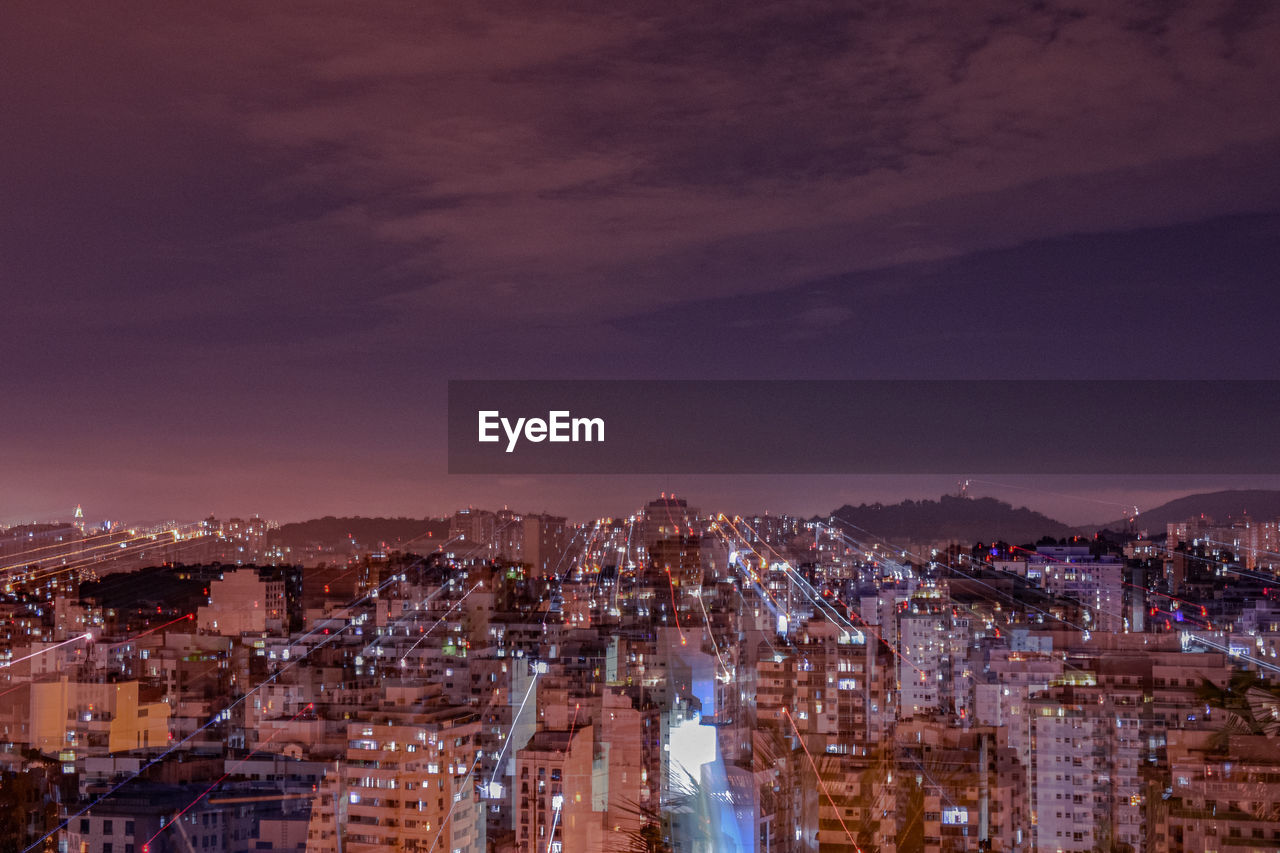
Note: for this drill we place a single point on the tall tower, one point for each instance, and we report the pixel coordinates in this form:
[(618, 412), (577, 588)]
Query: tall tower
[(79, 516)]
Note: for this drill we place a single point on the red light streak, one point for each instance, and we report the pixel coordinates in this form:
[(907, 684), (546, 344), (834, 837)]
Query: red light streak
[(146, 846), (184, 617), (821, 782)]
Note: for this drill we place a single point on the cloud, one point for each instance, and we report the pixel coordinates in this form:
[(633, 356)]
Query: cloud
[(236, 203), (561, 161)]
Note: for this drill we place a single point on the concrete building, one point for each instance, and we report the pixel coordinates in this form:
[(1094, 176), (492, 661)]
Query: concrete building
[(1096, 582), (409, 782), (553, 786), (243, 603)]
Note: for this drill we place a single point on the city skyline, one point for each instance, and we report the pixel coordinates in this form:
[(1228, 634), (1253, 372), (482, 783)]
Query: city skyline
[(672, 681), (800, 426), (1104, 500)]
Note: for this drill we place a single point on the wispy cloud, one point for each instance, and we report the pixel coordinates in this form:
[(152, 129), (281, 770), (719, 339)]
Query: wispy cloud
[(567, 161), (195, 195)]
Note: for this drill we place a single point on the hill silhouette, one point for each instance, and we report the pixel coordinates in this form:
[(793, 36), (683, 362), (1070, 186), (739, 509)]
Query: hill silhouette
[(339, 532), (953, 518), (1223, 507)]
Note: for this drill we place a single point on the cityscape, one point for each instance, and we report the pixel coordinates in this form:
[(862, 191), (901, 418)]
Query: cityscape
[(797, 426), (675, 680)]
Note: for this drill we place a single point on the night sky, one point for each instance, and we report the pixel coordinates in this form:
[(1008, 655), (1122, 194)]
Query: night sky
[(243, 246)]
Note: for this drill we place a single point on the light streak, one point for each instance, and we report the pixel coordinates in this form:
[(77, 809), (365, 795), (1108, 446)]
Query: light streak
[(67, 546), (216, 717), (674, 609), (555, 821), (462, 784), (966, 575), (819, 608), (452, 805), (139, 538), (759, 586), (890, 646), (821, 782), (567, 746), (715, 645), (187, 616), (1257, 549), (497, 766), (1259, 662), (127, 551), (805, 587), (409, 613), (146, 845), (959, 571), (85, 637), (427, 633), (1124, 506), (555, 571)]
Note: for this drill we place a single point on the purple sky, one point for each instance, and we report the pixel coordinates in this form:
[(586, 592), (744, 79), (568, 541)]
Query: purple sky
[(243, 246)]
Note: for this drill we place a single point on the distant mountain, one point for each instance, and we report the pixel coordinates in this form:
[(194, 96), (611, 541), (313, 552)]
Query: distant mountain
[(954, 518), (339, 532), (1259, 504)]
